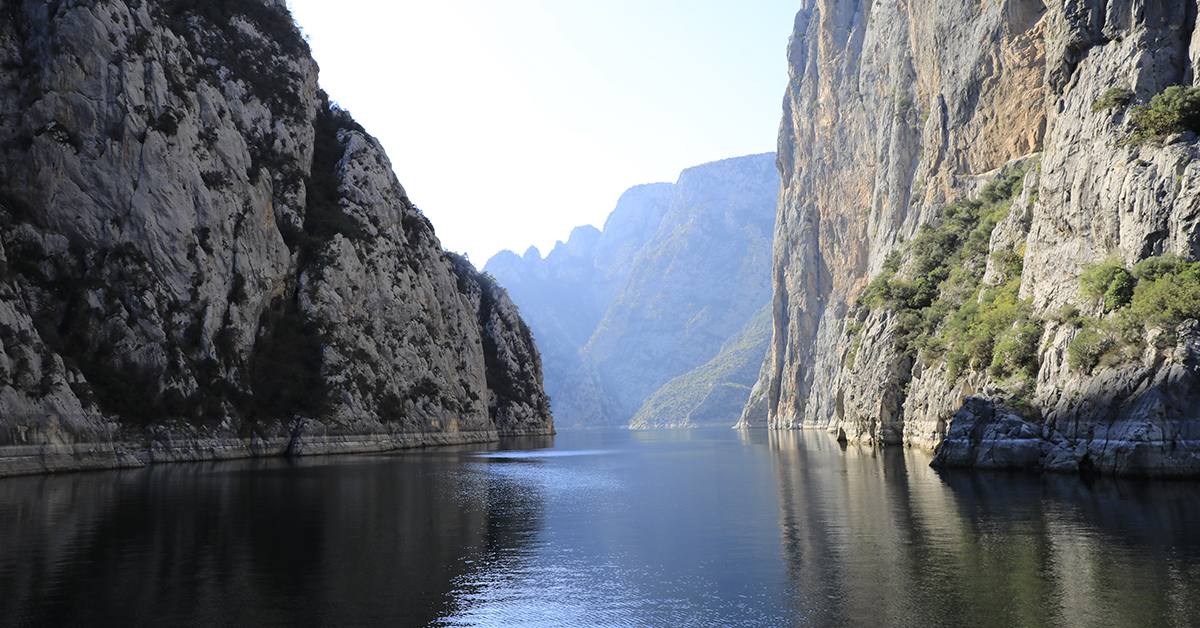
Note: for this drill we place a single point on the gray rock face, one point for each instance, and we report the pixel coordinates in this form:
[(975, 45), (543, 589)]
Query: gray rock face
[(517, 403), (202, 260), (885, 118), (896, 110), (985, 437), (677, 271)]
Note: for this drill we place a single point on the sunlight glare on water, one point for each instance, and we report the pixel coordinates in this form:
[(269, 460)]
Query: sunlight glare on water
[(563, 583)]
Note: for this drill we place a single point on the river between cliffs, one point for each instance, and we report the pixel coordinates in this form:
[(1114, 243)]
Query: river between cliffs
[(659, 528)]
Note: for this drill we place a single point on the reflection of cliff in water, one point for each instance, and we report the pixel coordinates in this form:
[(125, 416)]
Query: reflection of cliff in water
[(876, 537), (258, 542)]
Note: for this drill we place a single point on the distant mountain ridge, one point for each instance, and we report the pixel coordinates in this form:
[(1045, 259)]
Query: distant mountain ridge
[(677, 270), (591, 267)]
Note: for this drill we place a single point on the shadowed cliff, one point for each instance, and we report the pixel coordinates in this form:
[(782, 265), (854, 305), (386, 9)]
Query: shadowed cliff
[(202, 257)]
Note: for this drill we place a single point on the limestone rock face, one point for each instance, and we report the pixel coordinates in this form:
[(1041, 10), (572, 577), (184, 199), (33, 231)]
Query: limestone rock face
[(401, 347), (517, 403), (677, 271), (197, 249), (895, 110), (1098, 197), (985, 437), (890, 107)]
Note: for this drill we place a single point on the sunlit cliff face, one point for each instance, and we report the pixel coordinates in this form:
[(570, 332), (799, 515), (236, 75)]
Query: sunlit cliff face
[(894, 113)]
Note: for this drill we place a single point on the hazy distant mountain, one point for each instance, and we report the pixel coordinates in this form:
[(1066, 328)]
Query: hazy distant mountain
[(678, 269), (564, 296), (716, 390)]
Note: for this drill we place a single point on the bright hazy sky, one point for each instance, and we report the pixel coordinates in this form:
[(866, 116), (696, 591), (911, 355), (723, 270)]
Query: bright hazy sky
[(511, 121)]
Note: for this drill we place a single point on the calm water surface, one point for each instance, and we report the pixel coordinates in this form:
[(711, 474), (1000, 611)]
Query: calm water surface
[(662, 528)]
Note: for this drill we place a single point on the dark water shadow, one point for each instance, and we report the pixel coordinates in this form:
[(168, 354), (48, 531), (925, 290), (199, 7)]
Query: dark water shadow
[(335, 541)]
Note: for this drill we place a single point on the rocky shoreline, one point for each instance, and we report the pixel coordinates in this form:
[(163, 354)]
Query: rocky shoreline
[(164, 447)]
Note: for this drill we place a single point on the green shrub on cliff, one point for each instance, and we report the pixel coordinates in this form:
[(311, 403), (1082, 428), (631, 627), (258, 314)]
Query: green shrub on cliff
[(945, 312), (975, 330), (1119, 292), (1168, 300), (1113, 97), (1108, 282), (1175, 110), (1161, 292), (1086, 348), (285, 367), (1015, 351), (1153, 268)]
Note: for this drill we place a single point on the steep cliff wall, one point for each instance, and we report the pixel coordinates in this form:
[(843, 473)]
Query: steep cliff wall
[(203, 258), (1012, 129)]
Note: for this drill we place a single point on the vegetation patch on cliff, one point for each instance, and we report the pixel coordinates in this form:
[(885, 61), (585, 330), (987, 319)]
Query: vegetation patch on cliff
[(944, 310), (1158, 293), (1113, 98), (324, 216), (729, 374), (251, 59), (1175, 110)]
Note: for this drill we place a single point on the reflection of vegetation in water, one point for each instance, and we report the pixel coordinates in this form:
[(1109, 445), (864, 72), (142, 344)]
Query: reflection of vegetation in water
[(876, 537), (870, 537)]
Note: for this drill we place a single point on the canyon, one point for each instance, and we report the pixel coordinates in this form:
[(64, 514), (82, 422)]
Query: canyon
[(651, 322)]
